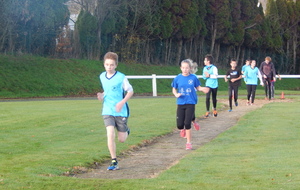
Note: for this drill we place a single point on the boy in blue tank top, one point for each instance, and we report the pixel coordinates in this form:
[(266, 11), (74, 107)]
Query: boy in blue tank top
[(210, 74), (115, 111)]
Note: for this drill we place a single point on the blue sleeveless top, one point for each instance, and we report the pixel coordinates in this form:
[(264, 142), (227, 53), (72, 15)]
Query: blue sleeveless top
[(113, 93)]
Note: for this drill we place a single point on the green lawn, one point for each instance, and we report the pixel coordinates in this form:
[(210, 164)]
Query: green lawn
[(40, 140)]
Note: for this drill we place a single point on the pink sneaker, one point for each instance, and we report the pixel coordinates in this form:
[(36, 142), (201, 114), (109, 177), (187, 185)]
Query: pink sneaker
[(188, 146), (182, 133), (196, 126)]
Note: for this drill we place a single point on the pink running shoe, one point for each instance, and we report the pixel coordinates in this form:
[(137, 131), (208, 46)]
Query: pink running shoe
[(196, 126), (182, 133), (188, 146)]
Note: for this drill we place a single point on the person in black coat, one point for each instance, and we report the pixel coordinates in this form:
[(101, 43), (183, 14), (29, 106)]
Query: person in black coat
[(268, 73)]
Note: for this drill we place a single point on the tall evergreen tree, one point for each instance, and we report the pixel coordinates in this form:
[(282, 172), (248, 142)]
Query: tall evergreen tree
[(86, 27), (294, 28), (218, 21), (31, 26), (253, 18), (272, 18), (284, 32), (179, 21), (189, 27)]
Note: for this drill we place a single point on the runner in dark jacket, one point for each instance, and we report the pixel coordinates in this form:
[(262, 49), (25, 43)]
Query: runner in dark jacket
[(268, 73)]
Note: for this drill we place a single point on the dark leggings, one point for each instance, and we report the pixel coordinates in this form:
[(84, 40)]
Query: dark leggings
[(251, 92), (272, 89), (185, 114), (234, 90), (213, 92), (268, 89)]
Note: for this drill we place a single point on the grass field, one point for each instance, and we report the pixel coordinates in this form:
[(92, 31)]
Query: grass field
[(40, 140)]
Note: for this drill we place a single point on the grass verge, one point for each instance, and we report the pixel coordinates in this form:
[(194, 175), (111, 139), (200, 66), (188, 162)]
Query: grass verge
[(40, 140), (32, 76)]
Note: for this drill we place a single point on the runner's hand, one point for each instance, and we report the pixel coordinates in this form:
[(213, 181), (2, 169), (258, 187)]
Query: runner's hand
[(100, 96)]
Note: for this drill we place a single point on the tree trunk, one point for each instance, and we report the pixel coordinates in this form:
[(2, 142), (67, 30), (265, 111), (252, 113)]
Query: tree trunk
[(217, 53), (195, 48), (238, 53), (185, 50), (191, 50), (294, 65), (242, 58), (166, 55), (169, 51), (213, 38), (179, 51), (147, 52), (288, 55), (98, 47), (201, 47)]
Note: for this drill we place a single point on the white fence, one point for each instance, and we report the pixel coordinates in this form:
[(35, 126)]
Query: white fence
[(154, 77)]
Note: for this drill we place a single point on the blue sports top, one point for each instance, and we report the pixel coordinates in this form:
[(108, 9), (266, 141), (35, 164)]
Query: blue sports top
[(186, 86), (211, 81), (114, 92), (245, 67), (251, 75)]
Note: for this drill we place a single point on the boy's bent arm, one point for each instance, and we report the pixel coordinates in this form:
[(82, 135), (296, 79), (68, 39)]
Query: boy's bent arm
[(100, 96), (122, 102), (128, 88), (128, 96), (236, 79)]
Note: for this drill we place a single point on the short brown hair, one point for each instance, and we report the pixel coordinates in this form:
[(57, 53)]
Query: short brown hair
[(111, 55), (210, 58), (268, 58)]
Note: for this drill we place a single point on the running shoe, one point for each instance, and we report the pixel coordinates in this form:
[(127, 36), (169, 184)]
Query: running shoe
[(236, 103), (188, 146), (206, 114), (230, 110), (215, 113), (196, 126), (248, 103), (113, 165), (128, 131), (182, 133)]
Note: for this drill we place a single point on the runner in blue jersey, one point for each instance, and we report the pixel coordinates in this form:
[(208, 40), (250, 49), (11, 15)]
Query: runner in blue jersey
[(250, 75), (184, 89), (247, 64), (210, 74), (115, 111)]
